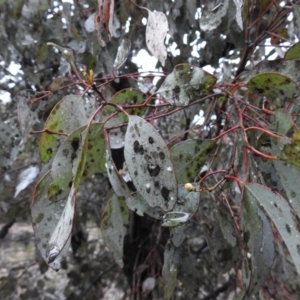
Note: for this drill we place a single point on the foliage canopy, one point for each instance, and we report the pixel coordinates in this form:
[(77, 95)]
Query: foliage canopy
[(200, 154)]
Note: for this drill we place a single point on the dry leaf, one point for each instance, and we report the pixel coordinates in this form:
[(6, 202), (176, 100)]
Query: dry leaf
[(156, 31), (104, 20)]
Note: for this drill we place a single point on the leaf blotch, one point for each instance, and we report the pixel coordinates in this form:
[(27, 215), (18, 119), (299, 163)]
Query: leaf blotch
[(165, 193), (75, 144), (137, 148), (39, 218), (153, 169)]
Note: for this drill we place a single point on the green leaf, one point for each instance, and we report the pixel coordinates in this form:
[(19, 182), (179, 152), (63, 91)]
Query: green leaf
[(293, 52), (45, 217), (283, 121), (114, 219), (65, 117), (291, 152), (281, 215), (189, 157), (258, 237), (185, 84), (81, 154), (288, 68), (124, 97), (149, 164), (42, 53), (274, 85)]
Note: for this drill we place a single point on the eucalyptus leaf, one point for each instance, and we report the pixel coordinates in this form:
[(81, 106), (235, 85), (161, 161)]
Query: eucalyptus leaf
[(65, 117), (136, 203), (45, 216), (128, 96), (84, 148), (189, 157), (293, 52), (170, 269), (274, 85), (258, 237), (186, 205), (225, 255), (149, 164), (114, 218), (185, 84), (281, 215)]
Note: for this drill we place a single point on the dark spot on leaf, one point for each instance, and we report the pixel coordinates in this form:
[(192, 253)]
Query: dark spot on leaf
[(39, 218), (70, 184), (298, 249), (161, 155), (137, 148), (288, 228), (151, 141), (136, 173), (165, 193), (65, 152), (156, 183), (246, 236), (75, 144), (176, 89), (73, 156), (49, 151), (153, 169)]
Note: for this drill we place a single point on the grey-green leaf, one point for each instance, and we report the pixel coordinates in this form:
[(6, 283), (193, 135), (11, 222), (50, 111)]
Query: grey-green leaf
[(189, 157), (114, 218), (149, 164), (185, 207), (281, 215), (138, 204), (258, 237), (45, 216), (65, 117), (185, 84)]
